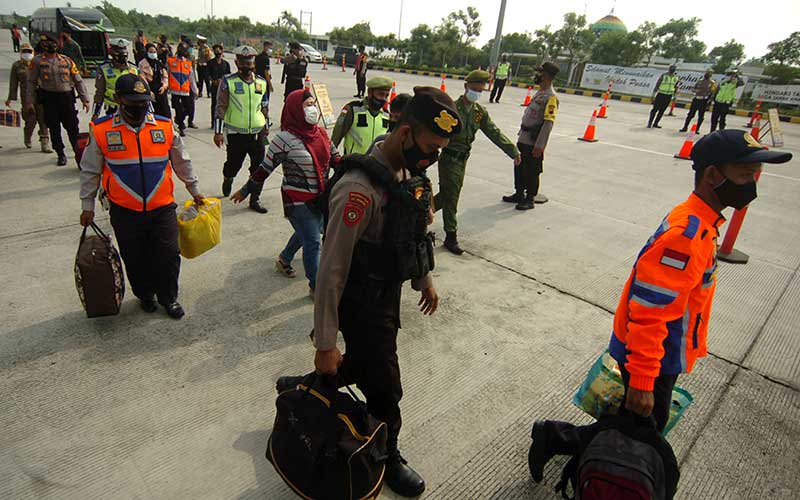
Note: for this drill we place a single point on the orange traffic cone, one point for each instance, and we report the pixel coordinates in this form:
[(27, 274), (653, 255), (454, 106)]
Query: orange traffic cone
[(686, 150), (756, 130), (307, 83), (588, 136), (672, 107), (325, 63), (277, 57), (344, 64), (528, 97), (443, 87), (393, 94), (753, 115)]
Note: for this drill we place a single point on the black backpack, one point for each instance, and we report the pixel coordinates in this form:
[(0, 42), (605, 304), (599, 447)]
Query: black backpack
[(324, 444)]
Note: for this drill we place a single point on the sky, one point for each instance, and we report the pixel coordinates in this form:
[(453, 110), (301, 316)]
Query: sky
[(722, 20)]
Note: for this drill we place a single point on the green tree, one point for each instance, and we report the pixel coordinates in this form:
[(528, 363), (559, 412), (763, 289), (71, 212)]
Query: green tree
[(781, 74), (357, 34), (548, 42), (618, 48), (677, 39), (725, 56), (651, 43), (785, 52), (575, 38), (420, 43), (470, 26)]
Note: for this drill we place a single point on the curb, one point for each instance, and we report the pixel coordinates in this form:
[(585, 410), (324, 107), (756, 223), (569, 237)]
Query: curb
[(585, 93)]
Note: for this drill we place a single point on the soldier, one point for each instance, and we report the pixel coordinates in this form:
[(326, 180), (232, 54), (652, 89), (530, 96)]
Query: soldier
[(295, 66), (71, 49), (537, 123), (107, 75), (377, 239), (164, 49), (361, 121), (53, 80), (361, 71), (241, 115), (453, 162), (19, 80), (263, 69), (204, 55)]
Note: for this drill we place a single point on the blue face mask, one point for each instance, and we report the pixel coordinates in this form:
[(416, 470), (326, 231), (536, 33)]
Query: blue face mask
[(473, 95)]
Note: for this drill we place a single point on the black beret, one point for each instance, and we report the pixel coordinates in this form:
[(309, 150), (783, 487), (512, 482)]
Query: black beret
[(435, 110)]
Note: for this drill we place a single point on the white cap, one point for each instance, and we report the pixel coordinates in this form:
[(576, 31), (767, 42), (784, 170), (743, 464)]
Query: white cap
[(201, 37)]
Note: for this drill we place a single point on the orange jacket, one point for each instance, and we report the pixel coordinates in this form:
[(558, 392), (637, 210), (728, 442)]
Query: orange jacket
[(179, 71), (137, 173), (661, 322)]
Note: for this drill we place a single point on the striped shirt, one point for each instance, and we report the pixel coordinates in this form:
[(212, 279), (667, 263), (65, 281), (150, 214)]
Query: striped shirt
[(300, 179)]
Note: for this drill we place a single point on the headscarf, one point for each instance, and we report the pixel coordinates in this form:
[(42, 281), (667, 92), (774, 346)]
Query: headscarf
[(314, 138)]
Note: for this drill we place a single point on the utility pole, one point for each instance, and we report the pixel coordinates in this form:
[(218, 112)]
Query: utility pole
[(498, 35), (310, 18)]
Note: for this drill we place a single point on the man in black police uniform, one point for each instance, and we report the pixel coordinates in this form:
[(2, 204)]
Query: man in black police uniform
[(378, 210), (295, 65)]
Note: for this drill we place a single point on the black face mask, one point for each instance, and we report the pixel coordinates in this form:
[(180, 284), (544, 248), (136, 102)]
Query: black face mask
[(537, 78), (735, 195), (121, 58), (376, 103), (246, 71), (218, 54), (134, 115), (391, 126), (50, 48), (418, 160)]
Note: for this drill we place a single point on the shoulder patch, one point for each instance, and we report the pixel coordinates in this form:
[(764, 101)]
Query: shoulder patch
[(359, 199), (692, 227), (160, 118), (675, 259), (102, 119)]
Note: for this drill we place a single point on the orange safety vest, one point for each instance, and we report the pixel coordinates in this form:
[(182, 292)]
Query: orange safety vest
[(179, 71), (137, 173), (661, 322)]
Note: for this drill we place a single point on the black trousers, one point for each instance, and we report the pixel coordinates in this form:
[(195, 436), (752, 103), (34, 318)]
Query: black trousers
[(161, 105), (59, 110), (15, 42), (699, 107), (203, 77), (148, 244), (213, 91), (184, 107), (369, 317), (718, 115), (660, 104), (239, 147), (292, 84), (361, 83), (497, 90), (526, 174)]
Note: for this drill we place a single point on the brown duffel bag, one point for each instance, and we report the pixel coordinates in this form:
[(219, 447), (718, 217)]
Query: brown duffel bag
[(99, 277)]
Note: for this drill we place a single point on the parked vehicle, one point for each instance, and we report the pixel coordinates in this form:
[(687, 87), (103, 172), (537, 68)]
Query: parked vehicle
[(349, 54)]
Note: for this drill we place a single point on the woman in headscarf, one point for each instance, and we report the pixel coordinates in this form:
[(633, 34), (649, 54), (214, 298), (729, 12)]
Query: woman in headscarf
[(306, 153), (155, 73)]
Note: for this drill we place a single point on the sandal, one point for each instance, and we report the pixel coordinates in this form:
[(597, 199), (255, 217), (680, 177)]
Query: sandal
[(285, 269)]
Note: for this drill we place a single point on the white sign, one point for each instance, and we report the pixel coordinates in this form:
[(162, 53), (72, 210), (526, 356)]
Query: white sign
[(642, 81), (775, 128), (783, 94)]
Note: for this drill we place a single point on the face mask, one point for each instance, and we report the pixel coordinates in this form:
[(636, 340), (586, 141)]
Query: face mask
[(735, 195), (312, 114), (416, 159), (152, 55), (245, 70), (472, 95), (121, 58), (217, 54), (269, 52), (377, 103), (134, 115), (51, 49), (26, 56), (537, 78)]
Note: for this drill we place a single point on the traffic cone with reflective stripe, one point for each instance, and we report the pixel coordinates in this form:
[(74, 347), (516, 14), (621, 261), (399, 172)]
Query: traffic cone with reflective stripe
[(753, 115), (443, 87), (344, 63), (588, 136), (307, 83), (325, 63), (528, 97), (686, 150), (756, 130), (393, 94), (603, 106)]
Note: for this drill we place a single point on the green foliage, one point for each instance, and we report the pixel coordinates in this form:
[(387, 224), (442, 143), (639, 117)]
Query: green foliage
[(785, 52), (726, 56), (781, 74), (358, 34), (677, 39), (618, 48)]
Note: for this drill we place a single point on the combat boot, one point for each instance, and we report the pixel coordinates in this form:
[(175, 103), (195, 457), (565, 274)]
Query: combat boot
[(451, 243), (62, 159), (46, 146), (227, 184), (514, 198), (256, 206), (538, 455), (401, 478)]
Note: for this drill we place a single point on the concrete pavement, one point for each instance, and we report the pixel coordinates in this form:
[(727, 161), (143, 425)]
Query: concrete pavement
[(139, 406)]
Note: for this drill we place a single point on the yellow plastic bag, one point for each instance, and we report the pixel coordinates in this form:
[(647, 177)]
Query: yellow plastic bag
[(199, 227)]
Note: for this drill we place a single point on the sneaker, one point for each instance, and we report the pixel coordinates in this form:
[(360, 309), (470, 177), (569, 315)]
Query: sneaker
[(46, 147), (656, 126), (682, 130), (28, 143), (192, 125), (256, 206), (182, 132), (62, 159), (175, 310), (285, 269)]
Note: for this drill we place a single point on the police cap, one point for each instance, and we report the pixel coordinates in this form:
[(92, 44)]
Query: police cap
[(47, 36), (244, 52), (119, 44), (733, 146), (477, 76), (549, 68), (201, 37), (133, 88), (380, 83), (25, 47), (435, 110)]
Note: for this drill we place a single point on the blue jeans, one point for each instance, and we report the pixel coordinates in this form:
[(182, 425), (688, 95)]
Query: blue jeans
[(307, 224)]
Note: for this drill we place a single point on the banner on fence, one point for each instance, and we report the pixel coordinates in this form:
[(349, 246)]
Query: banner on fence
[(780, 94)]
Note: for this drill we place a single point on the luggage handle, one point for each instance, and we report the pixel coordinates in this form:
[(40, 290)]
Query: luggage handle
[(97, 230), (316, 377)]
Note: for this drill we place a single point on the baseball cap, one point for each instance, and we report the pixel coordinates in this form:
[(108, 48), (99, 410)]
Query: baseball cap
[(549, 68), (733, 146), (133, 88)]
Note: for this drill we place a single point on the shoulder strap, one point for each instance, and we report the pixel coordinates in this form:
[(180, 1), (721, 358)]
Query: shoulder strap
[(569, 476)]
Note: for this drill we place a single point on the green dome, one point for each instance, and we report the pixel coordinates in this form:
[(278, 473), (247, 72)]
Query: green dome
[(609, 23)]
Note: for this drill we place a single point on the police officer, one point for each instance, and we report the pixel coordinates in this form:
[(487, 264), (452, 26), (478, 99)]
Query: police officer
[(453, 161), (361, 121), (204, 55), (703, 90), (218, 68), (665, 89), (295, 66), (362, 60), (724, 99), (135, 153), (182, 87), (107, 75), (534, 131), (241, 115), (53, 80), (32, 116), (661, 322), (500, 79), (376, 239)]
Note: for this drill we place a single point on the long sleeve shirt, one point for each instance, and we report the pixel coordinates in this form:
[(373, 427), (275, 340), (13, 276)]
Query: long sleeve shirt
[(474, 117), (18, 80), (704, 88), (93, 162), (223, 100), (356, 212), (146, 71), (56, 73), (217, 69), (538, 119), (74, 52)]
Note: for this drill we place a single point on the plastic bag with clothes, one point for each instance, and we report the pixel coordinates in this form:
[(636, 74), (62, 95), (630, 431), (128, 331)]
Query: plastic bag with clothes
[(199, 227)]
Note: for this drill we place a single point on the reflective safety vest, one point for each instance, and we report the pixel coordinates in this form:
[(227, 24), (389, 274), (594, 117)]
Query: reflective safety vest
[(244, 115), (668, 84), (727, 92), (179, 72), (502, 71), (364, 130), (110, 74), (137, 173)]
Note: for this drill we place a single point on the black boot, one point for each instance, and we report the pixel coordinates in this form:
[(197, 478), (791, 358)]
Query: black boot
[(227, 184), (514, 198), (256, 206), (401, 478), (525, 205), (451, 243), (175, 310), (538, 456), (62, 159), (148, 304)]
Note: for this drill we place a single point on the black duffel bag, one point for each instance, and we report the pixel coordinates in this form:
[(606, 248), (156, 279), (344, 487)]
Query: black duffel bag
[(325, 445), (99, 277)]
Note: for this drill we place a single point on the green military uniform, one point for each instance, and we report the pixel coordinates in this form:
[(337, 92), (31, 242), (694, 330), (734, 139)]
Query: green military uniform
[(72, 50), (453, 160), (359, 123)]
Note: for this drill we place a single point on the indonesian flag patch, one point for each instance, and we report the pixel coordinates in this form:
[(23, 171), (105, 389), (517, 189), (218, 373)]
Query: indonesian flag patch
[(673, 258)]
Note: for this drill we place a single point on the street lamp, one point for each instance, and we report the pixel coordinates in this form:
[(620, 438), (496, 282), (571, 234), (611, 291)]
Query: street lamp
[(498, 35)]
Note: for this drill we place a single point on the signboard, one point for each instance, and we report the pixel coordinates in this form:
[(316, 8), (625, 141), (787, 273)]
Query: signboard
[(782, 94), (642, 81), (775, 129), (324, 104)]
